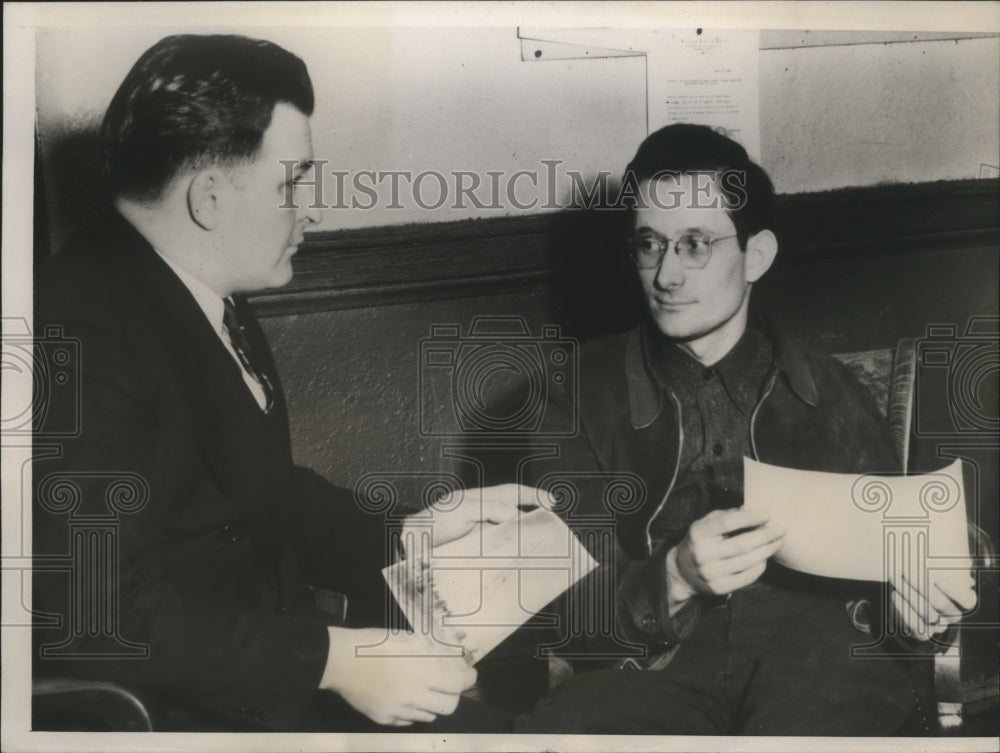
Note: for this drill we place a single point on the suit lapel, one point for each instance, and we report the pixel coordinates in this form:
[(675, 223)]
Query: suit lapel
[(248, 452)]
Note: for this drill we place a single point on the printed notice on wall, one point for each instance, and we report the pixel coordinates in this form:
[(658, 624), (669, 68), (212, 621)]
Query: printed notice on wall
[(709, 77)]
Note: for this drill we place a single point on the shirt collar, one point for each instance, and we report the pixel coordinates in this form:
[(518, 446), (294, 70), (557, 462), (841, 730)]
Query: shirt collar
[(643, 371), (741, 371), (208, 300), (744, 369)]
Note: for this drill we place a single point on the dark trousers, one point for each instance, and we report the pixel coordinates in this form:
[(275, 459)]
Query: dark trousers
[(769, 662)]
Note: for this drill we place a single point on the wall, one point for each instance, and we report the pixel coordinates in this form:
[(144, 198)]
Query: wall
[(353, 380), (857, 115), (420, 98)]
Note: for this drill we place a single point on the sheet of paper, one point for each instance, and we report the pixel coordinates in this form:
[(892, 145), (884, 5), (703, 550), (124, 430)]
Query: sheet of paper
[(476, 591), (706, 76), (863, 527)]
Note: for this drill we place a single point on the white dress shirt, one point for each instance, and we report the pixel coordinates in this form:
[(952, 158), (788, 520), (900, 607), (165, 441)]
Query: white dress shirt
[(214, 309)]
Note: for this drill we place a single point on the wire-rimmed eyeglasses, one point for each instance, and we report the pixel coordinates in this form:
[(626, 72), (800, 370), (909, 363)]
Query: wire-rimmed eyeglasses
[(693, 249)]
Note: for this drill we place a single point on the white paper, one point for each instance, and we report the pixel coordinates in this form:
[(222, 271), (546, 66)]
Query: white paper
[(476, 591), (864, 527), (708, 78)]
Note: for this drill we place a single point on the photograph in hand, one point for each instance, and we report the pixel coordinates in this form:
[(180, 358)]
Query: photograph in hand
[(473, 592)]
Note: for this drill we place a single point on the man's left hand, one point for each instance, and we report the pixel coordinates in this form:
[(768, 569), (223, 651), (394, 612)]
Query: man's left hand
[(949, 594)]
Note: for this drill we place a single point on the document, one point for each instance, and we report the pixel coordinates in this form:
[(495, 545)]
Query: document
[(865, 527), (474, 592), (707, 77)]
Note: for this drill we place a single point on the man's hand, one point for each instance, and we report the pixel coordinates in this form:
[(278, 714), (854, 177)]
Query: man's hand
[(722, 552), (394, 689), (456, 515), (948, 594)]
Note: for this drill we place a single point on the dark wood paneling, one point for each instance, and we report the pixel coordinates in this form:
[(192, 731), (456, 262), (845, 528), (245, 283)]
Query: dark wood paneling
[(399, 264)]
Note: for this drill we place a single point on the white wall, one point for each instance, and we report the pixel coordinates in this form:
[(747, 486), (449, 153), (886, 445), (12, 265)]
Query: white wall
[(872, 113), (406, 98)]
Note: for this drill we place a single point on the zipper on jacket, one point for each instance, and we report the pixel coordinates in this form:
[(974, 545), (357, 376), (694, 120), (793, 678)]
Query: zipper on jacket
[(677, 468), (680, 447), (756, 410)]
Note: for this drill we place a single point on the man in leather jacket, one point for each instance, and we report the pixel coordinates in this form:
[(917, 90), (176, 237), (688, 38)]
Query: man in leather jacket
[(733, 643)]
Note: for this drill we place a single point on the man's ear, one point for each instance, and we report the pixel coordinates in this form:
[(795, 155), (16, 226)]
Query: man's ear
[(762, 248), (203, 199)]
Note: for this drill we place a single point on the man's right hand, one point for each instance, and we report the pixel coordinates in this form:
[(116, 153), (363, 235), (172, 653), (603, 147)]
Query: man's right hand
[(722, 552), (409, 683)]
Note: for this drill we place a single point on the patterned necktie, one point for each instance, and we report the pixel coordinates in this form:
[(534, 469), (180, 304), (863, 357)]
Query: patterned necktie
[(240, 343)]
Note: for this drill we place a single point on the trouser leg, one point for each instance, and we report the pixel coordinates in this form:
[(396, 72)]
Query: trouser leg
[(805, 680), (685, 698)]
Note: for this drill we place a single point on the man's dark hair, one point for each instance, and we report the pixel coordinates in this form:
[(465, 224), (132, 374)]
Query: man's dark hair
[(192, 100), (686, 148)]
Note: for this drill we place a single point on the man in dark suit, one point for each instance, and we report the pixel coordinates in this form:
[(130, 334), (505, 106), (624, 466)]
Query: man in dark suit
[(193, 532)]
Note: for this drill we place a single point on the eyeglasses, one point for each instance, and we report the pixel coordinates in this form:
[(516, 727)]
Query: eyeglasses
[(693, 249)]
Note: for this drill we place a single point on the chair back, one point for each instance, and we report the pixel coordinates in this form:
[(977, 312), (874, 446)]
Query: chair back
[(890, 375)]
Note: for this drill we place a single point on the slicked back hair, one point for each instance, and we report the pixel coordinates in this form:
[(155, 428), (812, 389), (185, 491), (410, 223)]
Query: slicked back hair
[(193, 100)]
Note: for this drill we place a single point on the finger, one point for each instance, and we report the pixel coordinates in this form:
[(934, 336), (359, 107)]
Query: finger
[(948, 597), (958, 587), (398, 717), (911, 622), (923, 621), (964, 599), (742, 562), (504, 501), (736, 581), (453, 676), (518, 495), (926, 616), (951, 605), (499, 504), (722, 522), (436, 704), (716, 556), (739, 545), (414, 714)]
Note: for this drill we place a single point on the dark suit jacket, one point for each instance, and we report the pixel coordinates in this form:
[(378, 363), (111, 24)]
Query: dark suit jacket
[(207, 523)]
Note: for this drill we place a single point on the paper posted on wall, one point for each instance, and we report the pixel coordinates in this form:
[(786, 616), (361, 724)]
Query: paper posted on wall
[(474, 592), (865, 527)]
